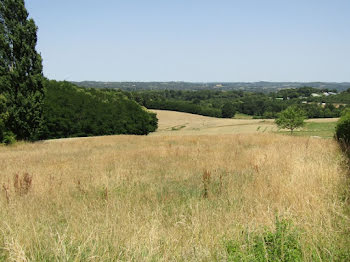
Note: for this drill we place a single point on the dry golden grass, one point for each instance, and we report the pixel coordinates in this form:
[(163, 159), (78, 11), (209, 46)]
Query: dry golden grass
[(177, 123), (165, 198)]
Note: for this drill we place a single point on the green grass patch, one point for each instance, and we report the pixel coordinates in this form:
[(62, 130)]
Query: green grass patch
[(280, 244), (284, 243), (242, 116), (323, 129)]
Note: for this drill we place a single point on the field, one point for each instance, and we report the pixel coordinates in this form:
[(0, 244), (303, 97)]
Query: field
[(190, 192), (177, 123), (317, 127)]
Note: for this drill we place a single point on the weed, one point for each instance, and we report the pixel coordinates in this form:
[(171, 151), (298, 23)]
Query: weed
[(206, 182), (22, 184), (105, 193), (6, 190), (221, 183), (80, 187)]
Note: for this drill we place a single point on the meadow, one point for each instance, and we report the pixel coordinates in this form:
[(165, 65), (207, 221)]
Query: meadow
[(180, 194)]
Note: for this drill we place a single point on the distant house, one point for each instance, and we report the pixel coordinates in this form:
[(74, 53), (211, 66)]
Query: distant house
[(329, 93), (315, 95)]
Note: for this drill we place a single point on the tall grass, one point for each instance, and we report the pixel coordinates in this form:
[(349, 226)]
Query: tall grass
[(183, 198)]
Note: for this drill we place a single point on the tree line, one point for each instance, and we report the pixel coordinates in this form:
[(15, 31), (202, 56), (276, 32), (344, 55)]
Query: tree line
[(218, 103), (71, 111), (262, 86)]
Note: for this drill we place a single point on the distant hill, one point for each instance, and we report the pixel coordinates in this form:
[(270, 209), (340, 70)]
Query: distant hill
[(262, 86)]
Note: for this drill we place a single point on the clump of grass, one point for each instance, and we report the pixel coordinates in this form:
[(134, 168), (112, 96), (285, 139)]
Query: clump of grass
[(280, 244)]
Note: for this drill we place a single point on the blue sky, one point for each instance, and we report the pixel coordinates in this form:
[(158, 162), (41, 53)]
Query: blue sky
[(194, 40)]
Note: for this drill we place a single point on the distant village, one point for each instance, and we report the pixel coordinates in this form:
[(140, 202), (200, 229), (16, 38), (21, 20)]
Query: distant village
[(323, 94)]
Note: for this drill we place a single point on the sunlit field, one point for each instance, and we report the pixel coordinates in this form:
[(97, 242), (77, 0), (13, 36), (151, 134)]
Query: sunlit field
[(174, 198), (177, 123)]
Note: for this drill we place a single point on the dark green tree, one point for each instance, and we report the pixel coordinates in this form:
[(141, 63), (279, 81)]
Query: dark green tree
[(20, 71), (228, 110), (291, 118)]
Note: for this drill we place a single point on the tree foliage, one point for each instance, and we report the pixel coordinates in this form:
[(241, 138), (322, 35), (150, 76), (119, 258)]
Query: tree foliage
[(258, 105), (20, 71), (291, 118), (228, 110), (71, 111)]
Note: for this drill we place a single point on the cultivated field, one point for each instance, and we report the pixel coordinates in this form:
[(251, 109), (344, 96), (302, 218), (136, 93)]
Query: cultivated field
[(174, 198), (177, 123)]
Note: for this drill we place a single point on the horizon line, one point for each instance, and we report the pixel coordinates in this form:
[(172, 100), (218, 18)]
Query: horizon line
[(203, 82)]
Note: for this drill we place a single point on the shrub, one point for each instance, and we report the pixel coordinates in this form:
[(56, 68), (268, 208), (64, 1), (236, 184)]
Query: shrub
[(9, 138), (342, 130)]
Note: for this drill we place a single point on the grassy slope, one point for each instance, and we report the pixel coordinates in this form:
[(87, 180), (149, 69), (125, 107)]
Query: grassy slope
[(142, 198)]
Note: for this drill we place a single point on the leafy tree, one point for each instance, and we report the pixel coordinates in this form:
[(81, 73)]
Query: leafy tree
[(20, 71), (291, 118), (228, 110)]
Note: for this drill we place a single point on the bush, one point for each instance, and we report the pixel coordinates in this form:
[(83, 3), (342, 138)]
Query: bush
[(9, 138), (342, 130)]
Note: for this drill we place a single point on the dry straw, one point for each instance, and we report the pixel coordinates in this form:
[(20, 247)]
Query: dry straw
[(168, 198)]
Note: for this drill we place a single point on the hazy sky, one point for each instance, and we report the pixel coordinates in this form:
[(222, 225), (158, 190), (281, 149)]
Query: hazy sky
[(194, 40)]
